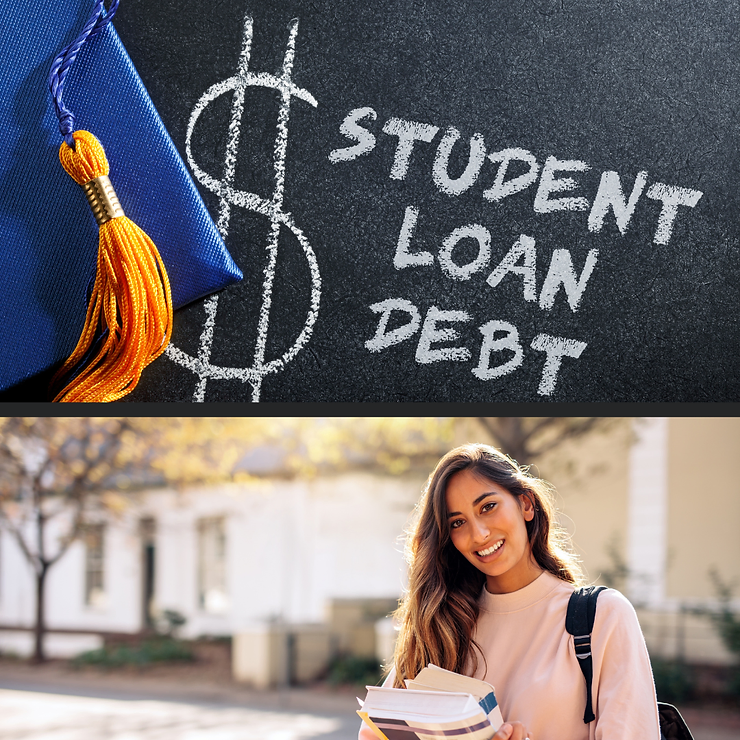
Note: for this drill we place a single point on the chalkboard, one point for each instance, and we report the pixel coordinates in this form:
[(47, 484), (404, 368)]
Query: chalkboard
[(455, 201)]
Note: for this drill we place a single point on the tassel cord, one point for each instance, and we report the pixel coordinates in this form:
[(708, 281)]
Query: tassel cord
[(139, 319), (97, 22)]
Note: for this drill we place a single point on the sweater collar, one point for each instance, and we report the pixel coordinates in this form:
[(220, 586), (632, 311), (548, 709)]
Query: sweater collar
[(540, 588)]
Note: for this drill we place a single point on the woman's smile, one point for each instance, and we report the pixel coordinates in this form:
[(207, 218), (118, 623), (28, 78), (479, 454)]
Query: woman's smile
[(486, 554)]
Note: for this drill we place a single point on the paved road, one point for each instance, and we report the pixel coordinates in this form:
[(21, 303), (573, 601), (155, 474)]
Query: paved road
[(40, 715), (715, 733)]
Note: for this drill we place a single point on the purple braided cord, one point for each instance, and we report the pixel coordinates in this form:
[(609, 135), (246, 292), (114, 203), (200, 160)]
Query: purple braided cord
[(97, 22)]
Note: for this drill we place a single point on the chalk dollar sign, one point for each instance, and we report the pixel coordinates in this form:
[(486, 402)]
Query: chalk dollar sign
[(272, 209)]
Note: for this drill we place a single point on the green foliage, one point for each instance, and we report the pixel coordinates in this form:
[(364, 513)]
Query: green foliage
[(726, 622), (174, 618), (353, 670), (159, 650), (733, 685), (170, 622), (215, 639), (674, 680)]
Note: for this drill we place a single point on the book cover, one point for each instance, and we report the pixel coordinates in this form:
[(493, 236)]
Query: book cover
[(400, 714), (434, 678)]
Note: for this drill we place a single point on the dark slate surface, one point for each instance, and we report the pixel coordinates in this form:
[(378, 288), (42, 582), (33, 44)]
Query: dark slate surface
[(627, 87)]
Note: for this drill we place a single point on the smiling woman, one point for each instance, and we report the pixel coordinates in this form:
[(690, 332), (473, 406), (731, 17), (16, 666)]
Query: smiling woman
[(489, 584)]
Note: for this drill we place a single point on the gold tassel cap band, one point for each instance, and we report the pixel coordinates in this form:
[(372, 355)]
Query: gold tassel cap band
[(102, 199)]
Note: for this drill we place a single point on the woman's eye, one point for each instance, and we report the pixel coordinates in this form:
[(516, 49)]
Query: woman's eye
[(489, 506), (457, 523)]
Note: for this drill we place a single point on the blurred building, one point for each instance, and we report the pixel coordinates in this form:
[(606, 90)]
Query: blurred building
[(652, 505), (228, 558)]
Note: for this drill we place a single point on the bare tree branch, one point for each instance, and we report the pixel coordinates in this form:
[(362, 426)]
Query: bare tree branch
[(73, 534), (528, 438), (18, 535)]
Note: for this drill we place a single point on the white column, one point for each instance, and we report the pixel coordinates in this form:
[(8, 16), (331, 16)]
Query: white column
[(648, 512)]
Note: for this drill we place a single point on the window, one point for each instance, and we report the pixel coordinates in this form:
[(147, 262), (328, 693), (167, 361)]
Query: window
[(95, 565), (212, 595), (148, 534)]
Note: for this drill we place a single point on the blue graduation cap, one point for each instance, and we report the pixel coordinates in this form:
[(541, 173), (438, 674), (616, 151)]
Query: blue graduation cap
[(49, 234)]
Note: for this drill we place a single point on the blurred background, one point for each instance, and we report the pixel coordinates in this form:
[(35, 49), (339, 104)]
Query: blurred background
[(252, 564)]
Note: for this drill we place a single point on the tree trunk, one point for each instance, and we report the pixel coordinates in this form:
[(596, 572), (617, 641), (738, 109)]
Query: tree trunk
[(509, 436), (40, 627)]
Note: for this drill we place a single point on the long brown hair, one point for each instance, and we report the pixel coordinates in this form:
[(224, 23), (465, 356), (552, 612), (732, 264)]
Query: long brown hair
[(440, 609)]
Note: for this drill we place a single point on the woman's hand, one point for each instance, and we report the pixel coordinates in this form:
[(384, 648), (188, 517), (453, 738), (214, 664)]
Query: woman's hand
[(512, 731)]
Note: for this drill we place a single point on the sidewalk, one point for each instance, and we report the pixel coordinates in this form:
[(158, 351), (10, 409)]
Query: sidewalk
[(31, 715), (55, 702)]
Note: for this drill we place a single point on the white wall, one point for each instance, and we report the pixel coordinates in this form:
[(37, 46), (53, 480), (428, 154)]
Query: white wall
[(65, 590), (65, 582), (16, 586), (291, 546)]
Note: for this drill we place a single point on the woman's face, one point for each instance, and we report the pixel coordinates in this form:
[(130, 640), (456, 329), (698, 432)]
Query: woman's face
[(488, 527)]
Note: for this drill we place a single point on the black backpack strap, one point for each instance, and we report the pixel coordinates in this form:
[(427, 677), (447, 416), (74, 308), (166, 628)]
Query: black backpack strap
[(672, 724), (579, 622)]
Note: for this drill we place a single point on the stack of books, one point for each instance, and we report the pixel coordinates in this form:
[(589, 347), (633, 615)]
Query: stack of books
[(435, 705)]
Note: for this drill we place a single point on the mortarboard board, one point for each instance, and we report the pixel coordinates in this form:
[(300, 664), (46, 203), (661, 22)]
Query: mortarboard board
[(50, 238)]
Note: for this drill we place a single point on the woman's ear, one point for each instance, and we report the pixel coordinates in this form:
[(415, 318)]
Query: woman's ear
[(527, 507)]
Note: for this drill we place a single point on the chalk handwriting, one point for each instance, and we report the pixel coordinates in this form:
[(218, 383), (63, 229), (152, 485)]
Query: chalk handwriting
[(608, 197), (499, 355), (557, 189), (272, 209)]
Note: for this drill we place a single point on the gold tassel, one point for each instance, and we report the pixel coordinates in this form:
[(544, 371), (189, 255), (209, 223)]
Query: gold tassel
[(130, 299)]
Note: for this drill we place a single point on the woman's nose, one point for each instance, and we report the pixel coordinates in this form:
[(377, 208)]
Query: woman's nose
[(480, 531)]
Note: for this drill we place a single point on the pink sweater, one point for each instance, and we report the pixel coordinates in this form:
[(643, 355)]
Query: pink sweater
[(532, 665)]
